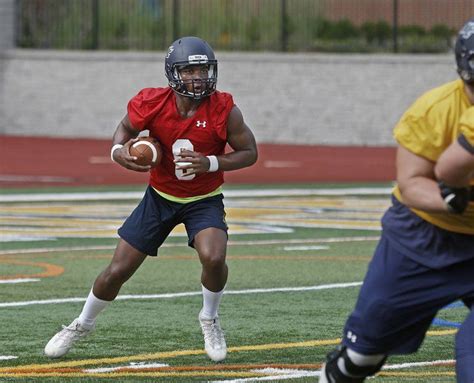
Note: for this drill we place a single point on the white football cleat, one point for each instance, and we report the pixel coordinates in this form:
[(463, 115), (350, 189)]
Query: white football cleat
[(61, 343), (214, 341)]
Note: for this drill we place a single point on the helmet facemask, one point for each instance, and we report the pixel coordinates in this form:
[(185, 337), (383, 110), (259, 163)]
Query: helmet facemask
[(464, 51), (467, 70), (196, 88)]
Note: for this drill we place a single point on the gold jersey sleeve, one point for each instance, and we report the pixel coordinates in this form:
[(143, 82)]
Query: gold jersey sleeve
[(426, 129), (431, 123)]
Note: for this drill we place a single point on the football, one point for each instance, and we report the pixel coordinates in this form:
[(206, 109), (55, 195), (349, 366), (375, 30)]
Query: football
[(147, 150)]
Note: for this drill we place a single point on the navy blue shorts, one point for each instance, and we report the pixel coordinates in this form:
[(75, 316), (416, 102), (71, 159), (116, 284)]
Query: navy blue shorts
[(400, 295), (155, 217)]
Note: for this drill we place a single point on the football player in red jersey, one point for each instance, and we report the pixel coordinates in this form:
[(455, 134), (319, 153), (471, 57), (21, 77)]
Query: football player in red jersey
[(193, 123)]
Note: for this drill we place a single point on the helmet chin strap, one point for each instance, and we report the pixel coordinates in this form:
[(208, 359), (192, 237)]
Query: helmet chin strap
[(186, 93)]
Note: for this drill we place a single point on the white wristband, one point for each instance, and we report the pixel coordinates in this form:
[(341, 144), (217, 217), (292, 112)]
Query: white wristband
[(114, 148), (213, 164)]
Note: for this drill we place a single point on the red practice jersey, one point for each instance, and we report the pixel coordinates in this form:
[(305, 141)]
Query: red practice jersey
[(155, 109)]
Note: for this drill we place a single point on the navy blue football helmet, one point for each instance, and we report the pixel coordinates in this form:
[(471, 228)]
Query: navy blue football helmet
[(464, 51), (188, 51)]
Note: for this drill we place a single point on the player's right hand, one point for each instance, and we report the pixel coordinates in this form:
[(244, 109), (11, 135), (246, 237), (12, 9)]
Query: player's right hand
[(122, 156), (456, 199)]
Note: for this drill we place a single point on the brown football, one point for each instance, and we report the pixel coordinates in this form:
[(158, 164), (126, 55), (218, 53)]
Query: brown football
[(147, 150)]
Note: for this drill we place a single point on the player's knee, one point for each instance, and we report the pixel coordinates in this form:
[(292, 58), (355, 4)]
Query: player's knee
[(212, 259), (116, 274), (347, 366)]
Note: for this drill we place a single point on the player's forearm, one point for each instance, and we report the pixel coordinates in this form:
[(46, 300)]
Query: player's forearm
[(423, 194), (238, 159), (455, 166), (458, 177), (123, 133)]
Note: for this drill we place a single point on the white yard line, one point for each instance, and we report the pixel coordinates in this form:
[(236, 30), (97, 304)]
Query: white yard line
[(290, 374), (231, 243), (131, 365), (8, 357), (417, 364), (186, 294), (20, 280), (304, 248), (286, 374)]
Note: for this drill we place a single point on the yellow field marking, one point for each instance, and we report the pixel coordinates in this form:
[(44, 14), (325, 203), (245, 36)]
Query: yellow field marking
[(441, 332), (102, 230), (60, 369), (50, 270), (298, 366), (280, 346), (228, 374), (169, 369), (174, 354), (94, 221), (114, 360), (165, 355), (209, 373)]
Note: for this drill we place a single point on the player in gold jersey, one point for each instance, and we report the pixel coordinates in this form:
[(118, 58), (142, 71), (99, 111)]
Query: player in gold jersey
[(424, 260), (455, 167)]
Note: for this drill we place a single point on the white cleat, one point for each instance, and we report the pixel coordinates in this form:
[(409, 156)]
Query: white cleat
[(61, 343), (214, 340)]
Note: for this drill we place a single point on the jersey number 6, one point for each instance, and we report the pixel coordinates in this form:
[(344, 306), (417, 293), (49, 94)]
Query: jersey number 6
[(177, 147)]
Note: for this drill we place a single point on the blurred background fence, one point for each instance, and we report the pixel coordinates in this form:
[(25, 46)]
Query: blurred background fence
[(274, 25)]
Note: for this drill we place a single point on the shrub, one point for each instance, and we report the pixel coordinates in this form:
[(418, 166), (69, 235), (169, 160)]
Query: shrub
[(378, 32)]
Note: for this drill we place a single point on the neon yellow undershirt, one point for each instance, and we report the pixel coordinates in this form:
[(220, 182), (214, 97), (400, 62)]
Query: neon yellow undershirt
[(172, 198)]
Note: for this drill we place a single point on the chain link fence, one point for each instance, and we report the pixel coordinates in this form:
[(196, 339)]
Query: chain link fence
[(274, 25)]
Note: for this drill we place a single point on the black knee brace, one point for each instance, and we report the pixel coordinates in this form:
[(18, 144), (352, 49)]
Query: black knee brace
[(358, 373)]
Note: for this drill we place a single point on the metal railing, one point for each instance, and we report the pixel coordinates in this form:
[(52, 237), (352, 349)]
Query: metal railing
[(276, 25)]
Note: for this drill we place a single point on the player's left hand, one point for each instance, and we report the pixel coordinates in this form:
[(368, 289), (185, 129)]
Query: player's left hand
[(192, 162), (455, 198)]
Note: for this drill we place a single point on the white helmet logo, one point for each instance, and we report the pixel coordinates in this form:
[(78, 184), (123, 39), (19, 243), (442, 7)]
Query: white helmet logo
[(197, 59), (170, 50), (468, 30)]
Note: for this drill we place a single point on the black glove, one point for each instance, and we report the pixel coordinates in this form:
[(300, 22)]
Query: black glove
[(456, 199)]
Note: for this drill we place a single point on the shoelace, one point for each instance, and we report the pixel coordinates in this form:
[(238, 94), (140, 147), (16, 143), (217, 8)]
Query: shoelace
[(71, 332), (213, 333)]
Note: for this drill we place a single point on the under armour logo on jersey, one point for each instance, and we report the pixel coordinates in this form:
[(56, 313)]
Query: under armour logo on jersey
[(201, 123)]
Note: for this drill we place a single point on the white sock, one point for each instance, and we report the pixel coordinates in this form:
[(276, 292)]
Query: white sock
[(91, 310), (364, 360), (359, 360), (210, 303)]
